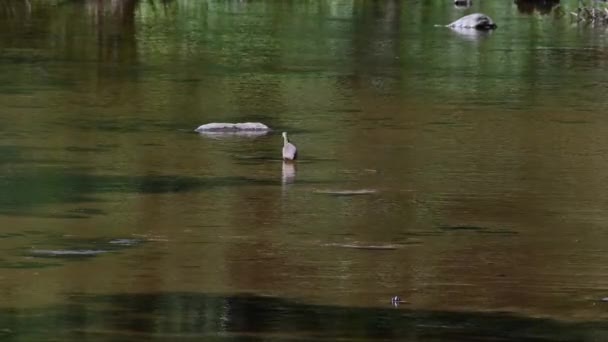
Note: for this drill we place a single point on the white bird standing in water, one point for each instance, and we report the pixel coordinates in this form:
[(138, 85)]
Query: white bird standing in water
[(289, 150)]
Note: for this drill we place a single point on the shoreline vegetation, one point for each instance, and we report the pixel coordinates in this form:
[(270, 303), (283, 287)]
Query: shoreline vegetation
[(581, 11)]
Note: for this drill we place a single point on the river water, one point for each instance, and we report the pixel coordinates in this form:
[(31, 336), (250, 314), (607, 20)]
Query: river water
[(462, 172)]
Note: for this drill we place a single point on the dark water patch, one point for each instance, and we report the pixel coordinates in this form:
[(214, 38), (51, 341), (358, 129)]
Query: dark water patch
[(7, 89), (21, 155), (181, 316), (464, 228), (571, 122), (10, 154), (307, 159), (420, 233), (88, 211), (36, 232), (339, 233), (27, 106), (55, 215), (22, 57), (112, 125), (109, 126), (499, 232), (187, 80), (171, 126), (10, 235), (107, 146), (363, 246), (14, 154), (27, 265), (347, 110), (295, 70), (443, 123), (86, 149), (479, 230), (408, 241), (257, 159), (21, 192)]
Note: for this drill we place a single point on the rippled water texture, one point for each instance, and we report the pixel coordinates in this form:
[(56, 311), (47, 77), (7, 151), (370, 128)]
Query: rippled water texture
[(463, 172)]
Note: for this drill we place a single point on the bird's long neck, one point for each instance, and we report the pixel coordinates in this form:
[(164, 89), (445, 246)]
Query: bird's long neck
[(285, 140)]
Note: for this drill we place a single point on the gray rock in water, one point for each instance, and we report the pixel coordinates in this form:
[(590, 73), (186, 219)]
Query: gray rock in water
[(477, 21), (347, 192), (68, 252), (232, 127)]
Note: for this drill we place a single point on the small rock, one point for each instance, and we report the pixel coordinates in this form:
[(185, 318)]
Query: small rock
[(228, 127), (347, 192)]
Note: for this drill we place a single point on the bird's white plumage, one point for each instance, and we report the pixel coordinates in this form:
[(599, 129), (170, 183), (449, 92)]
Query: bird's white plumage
[(289, 150)]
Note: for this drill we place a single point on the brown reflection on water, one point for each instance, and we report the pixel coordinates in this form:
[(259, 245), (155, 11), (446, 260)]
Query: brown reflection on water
[(429, 169)]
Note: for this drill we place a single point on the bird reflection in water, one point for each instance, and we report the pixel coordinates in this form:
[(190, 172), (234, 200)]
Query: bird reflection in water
[(290, 153), (289, 172)]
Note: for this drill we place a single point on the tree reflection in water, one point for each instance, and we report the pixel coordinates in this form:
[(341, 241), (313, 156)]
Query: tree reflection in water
[(192, 315)]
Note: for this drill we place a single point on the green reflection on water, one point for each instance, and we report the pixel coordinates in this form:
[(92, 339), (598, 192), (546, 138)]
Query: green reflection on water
[(21, 193), (186, 316), (486, 151)]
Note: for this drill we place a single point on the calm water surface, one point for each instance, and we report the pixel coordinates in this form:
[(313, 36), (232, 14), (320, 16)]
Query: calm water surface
[(464, 173)]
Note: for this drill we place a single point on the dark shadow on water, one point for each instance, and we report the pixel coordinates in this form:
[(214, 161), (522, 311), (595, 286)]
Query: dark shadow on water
[(477, 229), (194, 316), (111, 125), (9, 154), (572, 122), (541, 6), (87, 212), (27, 265), (13, 154), (21, 192), (469, 228), (10, 235), (471, 34), (80, 149)]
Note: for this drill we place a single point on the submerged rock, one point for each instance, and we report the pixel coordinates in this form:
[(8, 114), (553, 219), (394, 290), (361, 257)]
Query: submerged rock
[(387, 247), (68, 252), (347, 192)]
